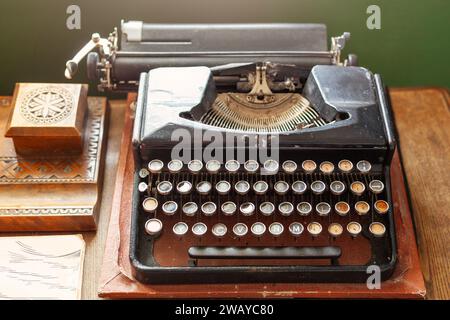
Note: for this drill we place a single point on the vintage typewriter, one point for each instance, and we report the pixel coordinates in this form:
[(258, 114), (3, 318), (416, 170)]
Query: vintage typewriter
[(302, 192)]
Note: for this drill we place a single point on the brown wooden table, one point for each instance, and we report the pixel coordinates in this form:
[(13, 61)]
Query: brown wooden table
[(423, 121)]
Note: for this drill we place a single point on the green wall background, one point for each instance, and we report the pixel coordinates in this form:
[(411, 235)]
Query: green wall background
[(411, 49)]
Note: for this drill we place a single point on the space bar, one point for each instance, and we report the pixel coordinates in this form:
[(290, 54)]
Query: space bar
[(325, 252)]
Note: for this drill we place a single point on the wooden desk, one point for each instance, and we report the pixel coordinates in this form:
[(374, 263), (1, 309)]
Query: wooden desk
[(422, 117)]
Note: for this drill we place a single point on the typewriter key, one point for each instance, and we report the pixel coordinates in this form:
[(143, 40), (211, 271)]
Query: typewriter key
[(199, 229), (326, 167), (318, 187), (150, 204), (175, 166), (164, 187), (266, 208), (354, 228), (213, 166), (251, 166), (223, 187), (357, 188), (247, 208), (228, 208), (260, 187), (281, 187), (323, 209), (190, 209), (219, 230), (296, 229), (342, 208), (180, 228), (170, 207), (285, 208), (195, 166), (381, 206), (258, 229), (314, 228), (203, 187), (242, 187), (337, 187), (271, 166), (155, 166), (142, 187), (143, 173), (289, 166), (345, 166), (364, 166), (376, 186), (362, 207), (304, 208), (240, 229), (335, 229), (209, 208), (153, 227), (377, 229), (184, 187), (276, 229), (309, 166), (232, 166), (299, 187)]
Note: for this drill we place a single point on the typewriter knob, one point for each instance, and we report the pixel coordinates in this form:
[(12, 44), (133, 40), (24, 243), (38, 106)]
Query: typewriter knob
[(314, 228), (281, 187), (247, 209), (296, 229), (180, 228), (155, 166), (304, 208), (240, 229), (190, 209), (228, 208), (299, 187), (276, 229), (258, 229), (153, 227), (260, 187), (376, 186), (267, 208), (199, 229), (209, 208), (170, 207), (232, 166), (142, 187), (342, 208), (354, 228), (285, 208), (364, 166), (150, 204), (219, 230), (381, 206), (377, 229), (326, 167), (335, 229), (175, 166), (362, 208), (345, 166)]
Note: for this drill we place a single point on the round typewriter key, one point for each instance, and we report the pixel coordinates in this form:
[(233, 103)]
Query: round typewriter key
[(142, 187), (318, 187), (164, 187), (209, 208), (342, 208), (150, 204), (175, 166), (281, 187), (285, 208), (309, 166), (251, 166), (364, 166), (299, 187), (199, 229), (381, 206), (184, 187), (260, 187), (195, 166), (357, 188), (240, 229), (258, 229), (271, 166), (223, 187), (337, 187), (219, 230), (323, 208), (232, 165), (267, 208), (296, 229), (212, 166), (276, 229), (170, 207), (155, 166), (335, 229), (190, 209), (289, 166), (242, 187), (203, 187), (143, 173), (377, 229), (345, 166), (304, 208), (376, 186), (314, 228), (228, 208), (180, 228), (326, 167), (354, 228), (247, 208), (153, 227), (362, 207)]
